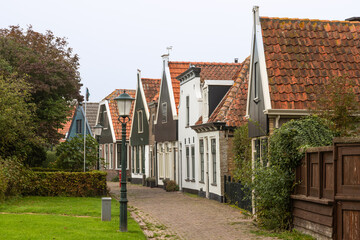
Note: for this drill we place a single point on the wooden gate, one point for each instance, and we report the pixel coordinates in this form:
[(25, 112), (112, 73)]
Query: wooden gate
[(326, 203)]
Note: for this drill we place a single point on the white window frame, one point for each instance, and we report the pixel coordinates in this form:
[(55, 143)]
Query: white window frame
[(164, 113)]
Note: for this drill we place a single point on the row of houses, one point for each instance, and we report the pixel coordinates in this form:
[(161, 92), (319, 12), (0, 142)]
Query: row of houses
[(182, 124)]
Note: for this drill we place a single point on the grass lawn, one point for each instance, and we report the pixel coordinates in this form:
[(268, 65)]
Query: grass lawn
[(62, 218)]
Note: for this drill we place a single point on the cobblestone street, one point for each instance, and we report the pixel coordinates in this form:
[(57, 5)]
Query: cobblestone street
[(175, 215)]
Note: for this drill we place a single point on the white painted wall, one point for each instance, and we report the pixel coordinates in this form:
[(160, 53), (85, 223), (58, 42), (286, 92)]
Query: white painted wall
[(187, 136)]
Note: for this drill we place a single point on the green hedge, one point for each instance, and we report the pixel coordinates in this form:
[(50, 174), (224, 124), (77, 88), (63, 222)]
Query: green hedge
[(74, 184)]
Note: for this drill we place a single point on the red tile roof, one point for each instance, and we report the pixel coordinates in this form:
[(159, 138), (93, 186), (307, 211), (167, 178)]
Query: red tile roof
[(232, 108), (151, 88), (209, 71), (66, 126), (302, 54), (115, 115)]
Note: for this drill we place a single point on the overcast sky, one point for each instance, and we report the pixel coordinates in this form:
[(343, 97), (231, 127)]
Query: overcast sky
[(114, 38)]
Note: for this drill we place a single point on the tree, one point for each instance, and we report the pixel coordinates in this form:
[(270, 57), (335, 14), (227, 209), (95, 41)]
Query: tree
[(71, 153), (50, 67), (339, 104), (17, 127)]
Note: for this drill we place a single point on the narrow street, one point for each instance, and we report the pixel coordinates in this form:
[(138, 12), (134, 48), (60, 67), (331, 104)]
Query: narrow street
[(175, 215)]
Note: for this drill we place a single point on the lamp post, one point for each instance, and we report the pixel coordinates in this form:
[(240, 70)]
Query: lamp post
[(123, 102), (98, 129)]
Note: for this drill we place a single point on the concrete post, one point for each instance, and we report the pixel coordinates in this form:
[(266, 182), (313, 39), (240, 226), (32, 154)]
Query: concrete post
[(106, 209)]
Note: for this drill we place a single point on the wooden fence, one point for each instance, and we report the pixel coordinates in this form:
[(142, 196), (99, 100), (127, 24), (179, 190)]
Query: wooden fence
[(235, 193), (326, 203)]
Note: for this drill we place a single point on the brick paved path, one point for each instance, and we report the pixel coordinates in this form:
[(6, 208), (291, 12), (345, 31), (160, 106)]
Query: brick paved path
[(181, 216)]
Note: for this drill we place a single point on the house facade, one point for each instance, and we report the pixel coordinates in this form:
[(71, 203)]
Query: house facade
[(202, 88), (110, 139), (165, 126), (290, 60), (140, 131)]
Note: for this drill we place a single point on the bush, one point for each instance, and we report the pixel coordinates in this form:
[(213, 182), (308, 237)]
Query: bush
[(242, 155), (72, 184), (14, 177), (273, 184), (71, 153), (171, 186)]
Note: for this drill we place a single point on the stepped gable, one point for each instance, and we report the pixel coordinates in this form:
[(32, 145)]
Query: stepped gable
[(302, 54)]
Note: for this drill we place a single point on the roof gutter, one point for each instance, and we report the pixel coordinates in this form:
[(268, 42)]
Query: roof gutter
[(287, 112)]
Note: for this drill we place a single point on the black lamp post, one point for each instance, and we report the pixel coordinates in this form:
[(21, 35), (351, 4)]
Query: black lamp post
[(124, 102), (97, 130)]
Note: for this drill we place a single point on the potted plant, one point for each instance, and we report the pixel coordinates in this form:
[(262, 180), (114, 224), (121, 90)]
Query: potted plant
[(151, 182), (165, 181)]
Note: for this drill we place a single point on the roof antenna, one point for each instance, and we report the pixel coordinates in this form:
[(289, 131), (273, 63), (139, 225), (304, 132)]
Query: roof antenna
[(169, 49)]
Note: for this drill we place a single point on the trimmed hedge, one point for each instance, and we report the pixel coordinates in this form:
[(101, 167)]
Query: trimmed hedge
[(71, 184)]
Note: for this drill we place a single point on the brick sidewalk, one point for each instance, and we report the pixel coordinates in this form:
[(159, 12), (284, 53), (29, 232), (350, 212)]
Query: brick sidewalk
[(174, 215)]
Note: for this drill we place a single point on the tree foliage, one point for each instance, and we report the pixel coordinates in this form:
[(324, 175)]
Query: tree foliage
[(17, 127), (339, 104), (274, 183), (50, 67), (242, 154), (70, 154)]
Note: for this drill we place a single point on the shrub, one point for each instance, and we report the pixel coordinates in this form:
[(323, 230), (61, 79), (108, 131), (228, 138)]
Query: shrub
[(273, 184), (14, 177), (171, 186), (71, 153), (72, 184), (242, 155)]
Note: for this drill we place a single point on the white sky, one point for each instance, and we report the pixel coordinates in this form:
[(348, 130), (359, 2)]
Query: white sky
[(114, 38)]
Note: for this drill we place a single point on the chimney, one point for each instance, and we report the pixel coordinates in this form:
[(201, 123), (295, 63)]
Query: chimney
[(353, 19), (236, 60)]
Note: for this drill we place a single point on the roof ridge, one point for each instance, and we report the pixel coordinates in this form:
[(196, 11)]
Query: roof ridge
[(307, 19), (207, 63)]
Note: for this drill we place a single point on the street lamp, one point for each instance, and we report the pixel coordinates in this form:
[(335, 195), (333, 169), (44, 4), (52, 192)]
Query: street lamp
[(97, 130), (123, 102)]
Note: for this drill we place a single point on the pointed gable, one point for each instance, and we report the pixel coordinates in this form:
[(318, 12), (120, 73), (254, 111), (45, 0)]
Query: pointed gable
[(302, 54)]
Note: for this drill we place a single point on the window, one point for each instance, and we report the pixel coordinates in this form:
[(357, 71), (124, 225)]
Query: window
[(106, 156), (193, 161), (187, 111), (78, 126), (132, 159), (143, 158), (118, 159), (153, 124), (260, 151), (164, 112), (161, 161), (213, 156), (111, 155), (256, 82), (104, 119), (202, 160), (187, 163), (137, 159), (140, 121)]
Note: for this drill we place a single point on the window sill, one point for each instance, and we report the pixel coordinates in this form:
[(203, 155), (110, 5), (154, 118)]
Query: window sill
[(214, 184), (193, 180), (202, 182), (187, 180)]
